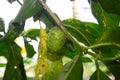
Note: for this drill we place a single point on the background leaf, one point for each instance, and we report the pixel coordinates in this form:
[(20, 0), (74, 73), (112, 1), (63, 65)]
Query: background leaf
[(29, 8), (70, 70), (29, 48), (113, 66), (99, 75)]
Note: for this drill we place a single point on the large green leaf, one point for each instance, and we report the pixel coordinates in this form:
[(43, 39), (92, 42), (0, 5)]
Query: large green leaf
[(112, 7), (29, 48), (84, 32), (114, 67), (99, 75), (29, 8), (106, 20), (73, 70), (14, 68)]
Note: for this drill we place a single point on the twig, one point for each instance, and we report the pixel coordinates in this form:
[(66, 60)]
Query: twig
[(19, 2), (103, 44)]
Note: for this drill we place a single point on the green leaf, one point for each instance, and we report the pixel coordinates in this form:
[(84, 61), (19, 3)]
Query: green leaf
[(14, 68), (15, 29), (45, 17), (70, 70), (112, 7), (84, 32), (92, 31), (106, 20), (32, 33), (29, 8), (4, 49), (114, 67), (2, 25), (99, 75), (29, 48)]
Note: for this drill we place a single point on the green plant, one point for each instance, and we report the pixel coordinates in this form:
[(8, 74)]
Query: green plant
[(102, 39)]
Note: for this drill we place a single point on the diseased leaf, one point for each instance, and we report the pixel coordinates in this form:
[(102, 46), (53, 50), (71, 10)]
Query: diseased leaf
[(106, 20), (32, 33), (92, 31), (29, 49), (14, 68), (29, 8), (73, 70), (84, 32), (111, 52), (110, 36), (99, 75)]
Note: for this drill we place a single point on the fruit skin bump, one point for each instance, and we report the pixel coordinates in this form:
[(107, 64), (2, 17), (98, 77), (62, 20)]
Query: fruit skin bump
[(55, 39)]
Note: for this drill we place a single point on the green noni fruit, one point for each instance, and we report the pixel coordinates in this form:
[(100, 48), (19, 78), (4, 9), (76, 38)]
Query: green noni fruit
[(55, 39)]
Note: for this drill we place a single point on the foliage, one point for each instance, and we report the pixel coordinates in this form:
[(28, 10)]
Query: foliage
[(81, 37)]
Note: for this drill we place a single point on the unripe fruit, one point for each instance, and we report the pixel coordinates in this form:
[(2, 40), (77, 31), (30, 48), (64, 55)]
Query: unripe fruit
[(55, 39)]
